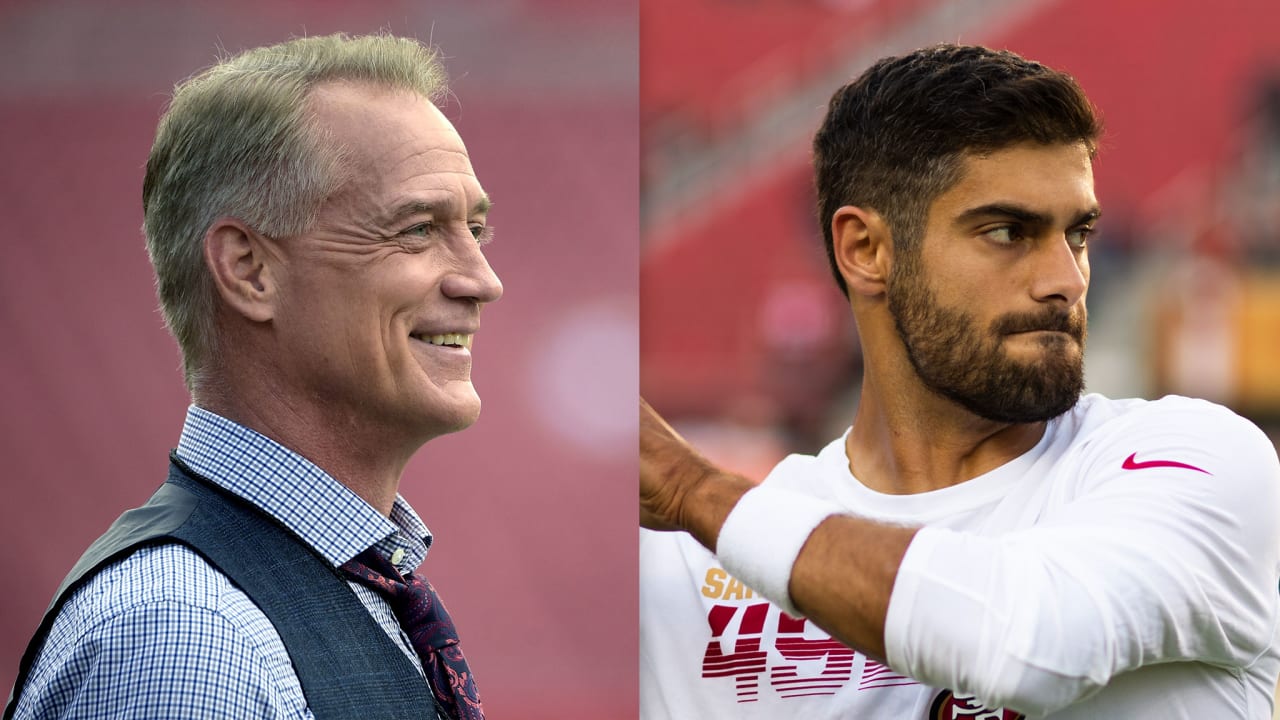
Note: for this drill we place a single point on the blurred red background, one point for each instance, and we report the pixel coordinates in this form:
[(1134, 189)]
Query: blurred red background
[(533, 508)]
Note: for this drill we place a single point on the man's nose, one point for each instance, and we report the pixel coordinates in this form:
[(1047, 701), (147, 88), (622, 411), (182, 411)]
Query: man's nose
[(473, 277), (1061, 273)]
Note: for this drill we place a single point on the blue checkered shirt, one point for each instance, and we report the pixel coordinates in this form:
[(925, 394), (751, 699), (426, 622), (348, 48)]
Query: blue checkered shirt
[(162, 634)]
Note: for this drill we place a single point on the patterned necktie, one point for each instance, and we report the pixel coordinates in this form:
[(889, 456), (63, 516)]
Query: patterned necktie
[(429, 627)]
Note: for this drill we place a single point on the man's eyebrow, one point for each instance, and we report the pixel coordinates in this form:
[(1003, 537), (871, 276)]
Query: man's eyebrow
[(1023, 214), (1088, 216), (419, 207)]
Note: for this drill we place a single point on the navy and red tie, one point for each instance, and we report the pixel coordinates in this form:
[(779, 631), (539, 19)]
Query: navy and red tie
[(429, 627)]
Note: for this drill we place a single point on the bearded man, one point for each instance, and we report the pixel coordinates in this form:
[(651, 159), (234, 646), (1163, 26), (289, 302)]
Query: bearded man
[(983, 541)]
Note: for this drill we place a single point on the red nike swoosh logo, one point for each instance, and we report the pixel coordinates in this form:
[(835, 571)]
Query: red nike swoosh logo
[(1131, 464)]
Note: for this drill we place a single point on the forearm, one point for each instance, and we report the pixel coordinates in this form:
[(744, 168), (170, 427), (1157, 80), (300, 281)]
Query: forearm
[(958, 621), (843, 570), (844, 575), (708, 503), (961, 602)]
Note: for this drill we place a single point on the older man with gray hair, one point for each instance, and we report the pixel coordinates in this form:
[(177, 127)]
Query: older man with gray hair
[(316, 228)]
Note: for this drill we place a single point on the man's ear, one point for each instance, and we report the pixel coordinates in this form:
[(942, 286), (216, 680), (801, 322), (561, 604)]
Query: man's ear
[(243, 264), (863, 249)]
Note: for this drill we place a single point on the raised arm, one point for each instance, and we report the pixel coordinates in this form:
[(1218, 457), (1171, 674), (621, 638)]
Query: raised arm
[(841, 579)]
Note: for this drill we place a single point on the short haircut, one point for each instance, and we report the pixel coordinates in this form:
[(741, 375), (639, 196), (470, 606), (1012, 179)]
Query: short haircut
[(238, 140), (893, 140)]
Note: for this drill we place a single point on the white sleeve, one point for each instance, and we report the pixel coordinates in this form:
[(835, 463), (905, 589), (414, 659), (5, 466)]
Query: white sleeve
[(763, 535), (1145, 565)]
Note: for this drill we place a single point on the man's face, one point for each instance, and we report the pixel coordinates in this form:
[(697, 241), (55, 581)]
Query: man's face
[(380, 299), (991, 308)]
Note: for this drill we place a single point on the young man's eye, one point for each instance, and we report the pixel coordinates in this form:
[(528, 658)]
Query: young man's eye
[(1079, 237), (1005, 234)]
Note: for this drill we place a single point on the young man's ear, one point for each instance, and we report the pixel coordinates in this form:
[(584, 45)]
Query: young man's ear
[(862, 248), (241, 263)]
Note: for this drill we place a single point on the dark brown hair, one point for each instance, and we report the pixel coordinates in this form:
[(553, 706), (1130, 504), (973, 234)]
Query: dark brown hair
[(893, 139)]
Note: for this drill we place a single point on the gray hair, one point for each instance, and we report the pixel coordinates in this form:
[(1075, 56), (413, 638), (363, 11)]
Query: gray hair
[(238, 141)]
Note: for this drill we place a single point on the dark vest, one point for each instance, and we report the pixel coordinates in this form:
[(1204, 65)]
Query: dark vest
[(347, 665)]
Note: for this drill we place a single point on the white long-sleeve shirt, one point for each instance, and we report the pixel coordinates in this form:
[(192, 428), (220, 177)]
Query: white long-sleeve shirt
[(1125, 567)]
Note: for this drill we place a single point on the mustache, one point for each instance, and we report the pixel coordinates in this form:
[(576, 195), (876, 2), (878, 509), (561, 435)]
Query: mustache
[(1064, 321)]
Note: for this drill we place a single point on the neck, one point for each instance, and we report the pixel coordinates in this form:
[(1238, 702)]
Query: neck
[(908, 439), (346, 446)]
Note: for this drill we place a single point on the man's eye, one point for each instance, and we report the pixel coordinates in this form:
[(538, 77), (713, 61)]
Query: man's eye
[(1005, 234), (425, 229), (482, 233), (1079, 237)]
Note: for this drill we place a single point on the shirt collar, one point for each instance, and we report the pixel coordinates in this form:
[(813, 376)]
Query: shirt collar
[(322, 512)]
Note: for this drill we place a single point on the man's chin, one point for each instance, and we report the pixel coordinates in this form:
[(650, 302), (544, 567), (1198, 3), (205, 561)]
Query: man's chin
[(1020, 414), (1024, 391), (457, 410), (1025, 407)]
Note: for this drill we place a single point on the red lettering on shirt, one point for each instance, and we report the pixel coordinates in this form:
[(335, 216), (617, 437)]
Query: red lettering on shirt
[(797, 666)]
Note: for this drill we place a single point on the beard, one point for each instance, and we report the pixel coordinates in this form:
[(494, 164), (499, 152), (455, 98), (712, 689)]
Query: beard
[(966, 364)]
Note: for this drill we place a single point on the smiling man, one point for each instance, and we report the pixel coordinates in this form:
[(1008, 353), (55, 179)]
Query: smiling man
[(983, 542), (316, 227)]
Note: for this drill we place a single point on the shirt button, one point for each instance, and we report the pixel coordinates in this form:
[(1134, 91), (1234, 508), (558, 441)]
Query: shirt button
[(397, 556)]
